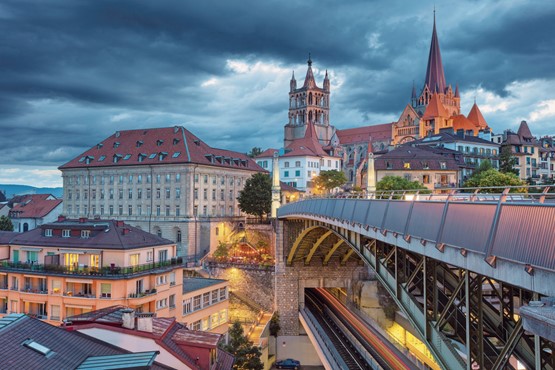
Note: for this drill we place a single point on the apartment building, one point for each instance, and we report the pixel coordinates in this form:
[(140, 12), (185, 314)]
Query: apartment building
[(205, 304), (72, 267), (163, 180)]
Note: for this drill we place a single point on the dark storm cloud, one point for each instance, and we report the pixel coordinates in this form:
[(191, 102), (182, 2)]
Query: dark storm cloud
[(73, 72)]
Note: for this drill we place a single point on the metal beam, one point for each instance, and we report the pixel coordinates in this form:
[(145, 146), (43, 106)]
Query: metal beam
[(297, 242), (315, 246), (450, 302), (347, 255), (332, 250), (509, 346)]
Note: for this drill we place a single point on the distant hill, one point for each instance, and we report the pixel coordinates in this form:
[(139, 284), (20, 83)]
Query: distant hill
[(11, 190)]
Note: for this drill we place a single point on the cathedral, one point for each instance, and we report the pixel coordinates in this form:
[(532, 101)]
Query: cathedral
[(437, 107)]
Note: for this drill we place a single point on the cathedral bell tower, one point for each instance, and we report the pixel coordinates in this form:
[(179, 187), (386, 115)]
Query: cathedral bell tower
[(309, 103)]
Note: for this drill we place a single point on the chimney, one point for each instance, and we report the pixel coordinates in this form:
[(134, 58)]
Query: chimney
[(125, 231), (82, 220), (144, 321), (119, 223), (128, 317), (61, 218)]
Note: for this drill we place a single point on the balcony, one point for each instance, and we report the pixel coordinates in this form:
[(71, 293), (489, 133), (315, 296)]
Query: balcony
[(107, 272), (34, 291), (146, 293)]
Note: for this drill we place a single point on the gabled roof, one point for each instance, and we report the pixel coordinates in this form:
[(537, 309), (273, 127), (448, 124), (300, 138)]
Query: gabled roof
[(62, 349), (268, 153), (476, 117), (435, 77), (435, 108), (306, 146), (166, 332), (104, 234), (35, 206), (365, 134), (155, 146), (460, 122)]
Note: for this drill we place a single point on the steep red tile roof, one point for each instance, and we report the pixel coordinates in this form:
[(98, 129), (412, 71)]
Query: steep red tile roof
[(460, 122), (435, 108), (476, 117), (308, 145), (363, 134), (167, 145), (35, 206), (268, 153), (524, 131)]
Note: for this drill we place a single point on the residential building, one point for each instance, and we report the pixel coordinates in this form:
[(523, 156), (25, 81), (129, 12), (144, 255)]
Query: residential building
[(71, 267), (205, 304), (526, 149), (437, 106), (432, 167), (163, 180), (32, 210), (474, 149), (302, 160), (28, 343), (547, 159), (4, 210), (177, 346)]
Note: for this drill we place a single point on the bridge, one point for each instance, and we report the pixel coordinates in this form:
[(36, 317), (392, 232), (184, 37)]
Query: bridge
[(473, 273)]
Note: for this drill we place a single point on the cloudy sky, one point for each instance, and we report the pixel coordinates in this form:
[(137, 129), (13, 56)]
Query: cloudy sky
[(73, 72)]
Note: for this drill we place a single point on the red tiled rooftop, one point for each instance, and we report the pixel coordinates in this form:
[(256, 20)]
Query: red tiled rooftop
[(363, 134), (476, 117), (435, 108), (35, 206), (167, 145)]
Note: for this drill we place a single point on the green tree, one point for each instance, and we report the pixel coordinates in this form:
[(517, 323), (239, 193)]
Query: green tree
[(247, 356), (256, 151), (222, 251), (256, 197), (492, 178), (507, 161), (484, 166), (328, 180), (5, 224), (389, 183)]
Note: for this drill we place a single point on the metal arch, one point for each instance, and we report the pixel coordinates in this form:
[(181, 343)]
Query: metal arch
[(316, 245), (332, 250), (347, 256), (298, 241)]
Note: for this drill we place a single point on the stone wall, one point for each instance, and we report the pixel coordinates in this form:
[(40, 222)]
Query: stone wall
[(256, 284)]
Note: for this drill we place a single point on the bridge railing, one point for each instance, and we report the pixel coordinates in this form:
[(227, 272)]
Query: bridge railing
[(522, 193)]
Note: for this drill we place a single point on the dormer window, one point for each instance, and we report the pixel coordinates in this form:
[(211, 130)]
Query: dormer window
[(85, 234), (66, 233), (162, 155), (116, 144), (176, 154), (139, 143), (102, 157), (406, 165), (175, 141), (159, 142), (127, 156), (48, 232), (141, 157), (152, 156), (99, 145), (117, 157), (443, 165)]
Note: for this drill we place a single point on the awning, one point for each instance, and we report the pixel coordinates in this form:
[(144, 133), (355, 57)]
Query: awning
[(78, 306), (79, 281), (37, 300), (30, 249), (35, 276)]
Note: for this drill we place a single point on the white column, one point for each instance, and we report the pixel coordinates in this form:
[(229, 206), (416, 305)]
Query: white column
[(276, 188)]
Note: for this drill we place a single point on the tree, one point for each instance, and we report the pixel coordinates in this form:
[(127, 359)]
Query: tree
[(222, 251), (5, 224), (256, 196), (389, 183), (256, 151), (247, 356), (492, 178), (484, 166), (328, 180), (274, 328), (507, 161)]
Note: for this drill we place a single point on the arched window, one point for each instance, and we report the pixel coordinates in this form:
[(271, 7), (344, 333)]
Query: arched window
[(178, 236), (25, 227), (310, 98), (157, 231)]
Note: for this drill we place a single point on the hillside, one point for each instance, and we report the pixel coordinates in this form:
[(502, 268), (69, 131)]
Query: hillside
[(11, 190)]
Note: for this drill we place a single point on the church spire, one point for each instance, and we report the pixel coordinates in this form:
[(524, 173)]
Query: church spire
[(326, 82), (293, 83), (435, 77), (309, 79)]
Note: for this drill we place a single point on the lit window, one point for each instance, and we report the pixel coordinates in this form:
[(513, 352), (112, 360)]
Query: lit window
[(406, 165)]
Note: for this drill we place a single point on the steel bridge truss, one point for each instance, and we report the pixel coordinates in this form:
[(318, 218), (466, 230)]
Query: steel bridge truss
[(469, 321)]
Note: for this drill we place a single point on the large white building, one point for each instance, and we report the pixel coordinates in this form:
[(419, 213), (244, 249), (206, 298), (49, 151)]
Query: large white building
[(163, 180)]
